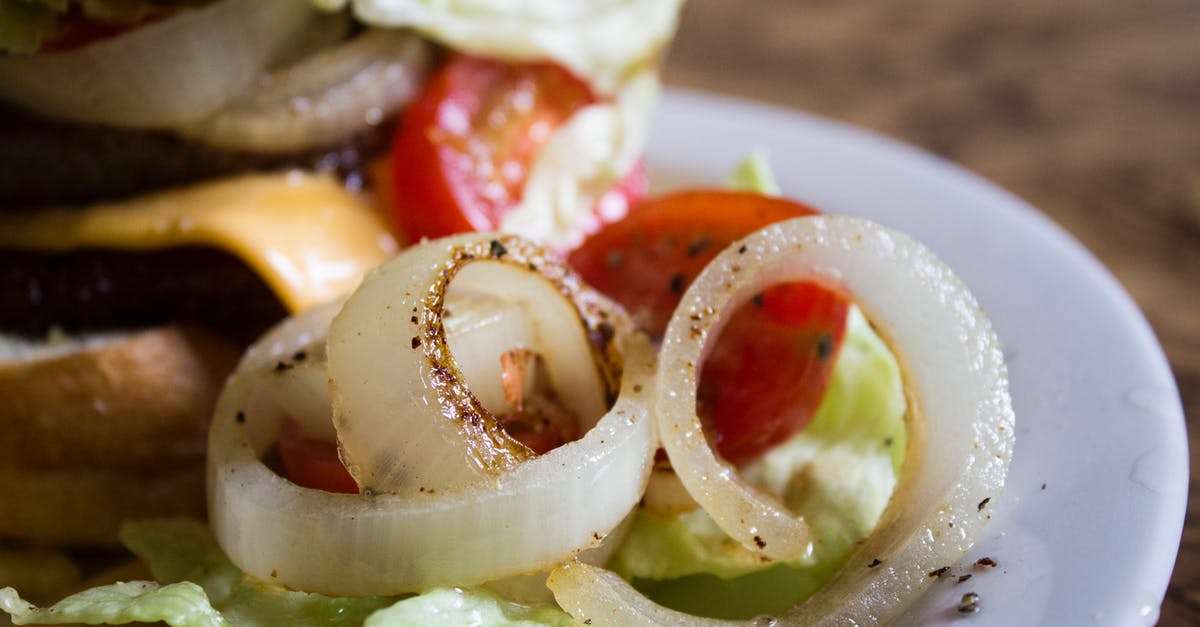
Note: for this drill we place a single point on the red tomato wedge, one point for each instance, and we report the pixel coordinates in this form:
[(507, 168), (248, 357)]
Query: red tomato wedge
[(464, 149), (768, 369), (313, 463)]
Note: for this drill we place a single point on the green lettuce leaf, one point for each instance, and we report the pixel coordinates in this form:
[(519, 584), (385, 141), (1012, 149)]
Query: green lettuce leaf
[(754, 174), (178, 604), (458, 607), (838, 473)]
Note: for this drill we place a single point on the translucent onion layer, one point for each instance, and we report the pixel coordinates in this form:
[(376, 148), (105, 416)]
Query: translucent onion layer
[(395, 379), (529, 518), (178, 69), (961, 431), (324, 98)]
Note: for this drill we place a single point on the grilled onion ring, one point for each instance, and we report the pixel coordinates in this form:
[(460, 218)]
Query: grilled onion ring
[(358, 544)]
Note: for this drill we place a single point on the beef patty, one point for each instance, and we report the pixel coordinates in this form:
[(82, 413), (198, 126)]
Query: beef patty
[(91, 290)]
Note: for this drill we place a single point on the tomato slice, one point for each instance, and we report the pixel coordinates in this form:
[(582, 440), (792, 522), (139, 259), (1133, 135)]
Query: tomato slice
[(313, 463), (463, 151), (646, 260), (768, 369)]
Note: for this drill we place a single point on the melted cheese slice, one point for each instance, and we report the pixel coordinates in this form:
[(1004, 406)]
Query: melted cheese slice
[(309, 238)]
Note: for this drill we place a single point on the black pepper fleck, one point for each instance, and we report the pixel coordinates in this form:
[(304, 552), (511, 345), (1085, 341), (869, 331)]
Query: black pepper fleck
[(984, 502), (875, 562), (281, 366), (299, 356), (240, 417), (416, 341), (969, 604), (699, 245), (759, 542), (676, 285), (964, 578), (939, 572), (742, 249), (986, 561), (757, 299), (824, 347), (497, 250)]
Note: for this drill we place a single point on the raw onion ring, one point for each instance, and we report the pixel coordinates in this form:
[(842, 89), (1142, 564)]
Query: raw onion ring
[(168, 72), (961, 419), (356, 544)]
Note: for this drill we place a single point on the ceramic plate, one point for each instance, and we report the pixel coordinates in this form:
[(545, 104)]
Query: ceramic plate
[(1089, 526)]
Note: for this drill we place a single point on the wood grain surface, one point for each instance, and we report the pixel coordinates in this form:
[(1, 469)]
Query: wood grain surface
[(1088, 109)]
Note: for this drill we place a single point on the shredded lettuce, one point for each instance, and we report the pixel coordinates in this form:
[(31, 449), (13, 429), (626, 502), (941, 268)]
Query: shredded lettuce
[(839, 473), (579, 34)]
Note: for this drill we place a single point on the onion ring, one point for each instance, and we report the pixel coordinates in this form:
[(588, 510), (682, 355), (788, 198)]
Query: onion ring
[(393, 323), (168, 72), (961, 419), (323, 98), (357, 544)]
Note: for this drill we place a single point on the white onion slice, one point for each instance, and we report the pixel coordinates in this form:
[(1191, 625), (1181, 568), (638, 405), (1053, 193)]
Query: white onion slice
[(530, 518), (322, 99), (961, 431), (396, 381), (597, 597), (164, 73)]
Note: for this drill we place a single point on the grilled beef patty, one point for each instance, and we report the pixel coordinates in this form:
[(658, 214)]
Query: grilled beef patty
[(45, 163), (94, 290)]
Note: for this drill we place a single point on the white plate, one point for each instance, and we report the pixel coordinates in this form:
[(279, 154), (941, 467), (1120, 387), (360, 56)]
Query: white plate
[(1089, 526)]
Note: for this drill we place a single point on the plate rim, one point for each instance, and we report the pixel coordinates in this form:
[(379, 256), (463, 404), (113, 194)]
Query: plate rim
[(1160, 557)]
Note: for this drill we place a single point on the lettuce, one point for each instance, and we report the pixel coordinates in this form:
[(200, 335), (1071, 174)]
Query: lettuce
[(838, 473), (754, 174), (179, 604), (457, 607)]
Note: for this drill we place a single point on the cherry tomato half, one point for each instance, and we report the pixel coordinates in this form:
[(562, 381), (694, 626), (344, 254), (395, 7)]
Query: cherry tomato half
[(767, 372), (313, 463), (768, 369), (463, 150)]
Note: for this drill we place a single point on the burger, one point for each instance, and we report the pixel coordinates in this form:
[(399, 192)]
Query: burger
[(178, 175)]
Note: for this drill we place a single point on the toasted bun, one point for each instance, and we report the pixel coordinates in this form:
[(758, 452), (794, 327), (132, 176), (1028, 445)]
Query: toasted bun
[(94, 431)]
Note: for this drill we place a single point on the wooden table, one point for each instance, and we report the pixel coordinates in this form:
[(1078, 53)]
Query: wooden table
[(1088, 109)]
